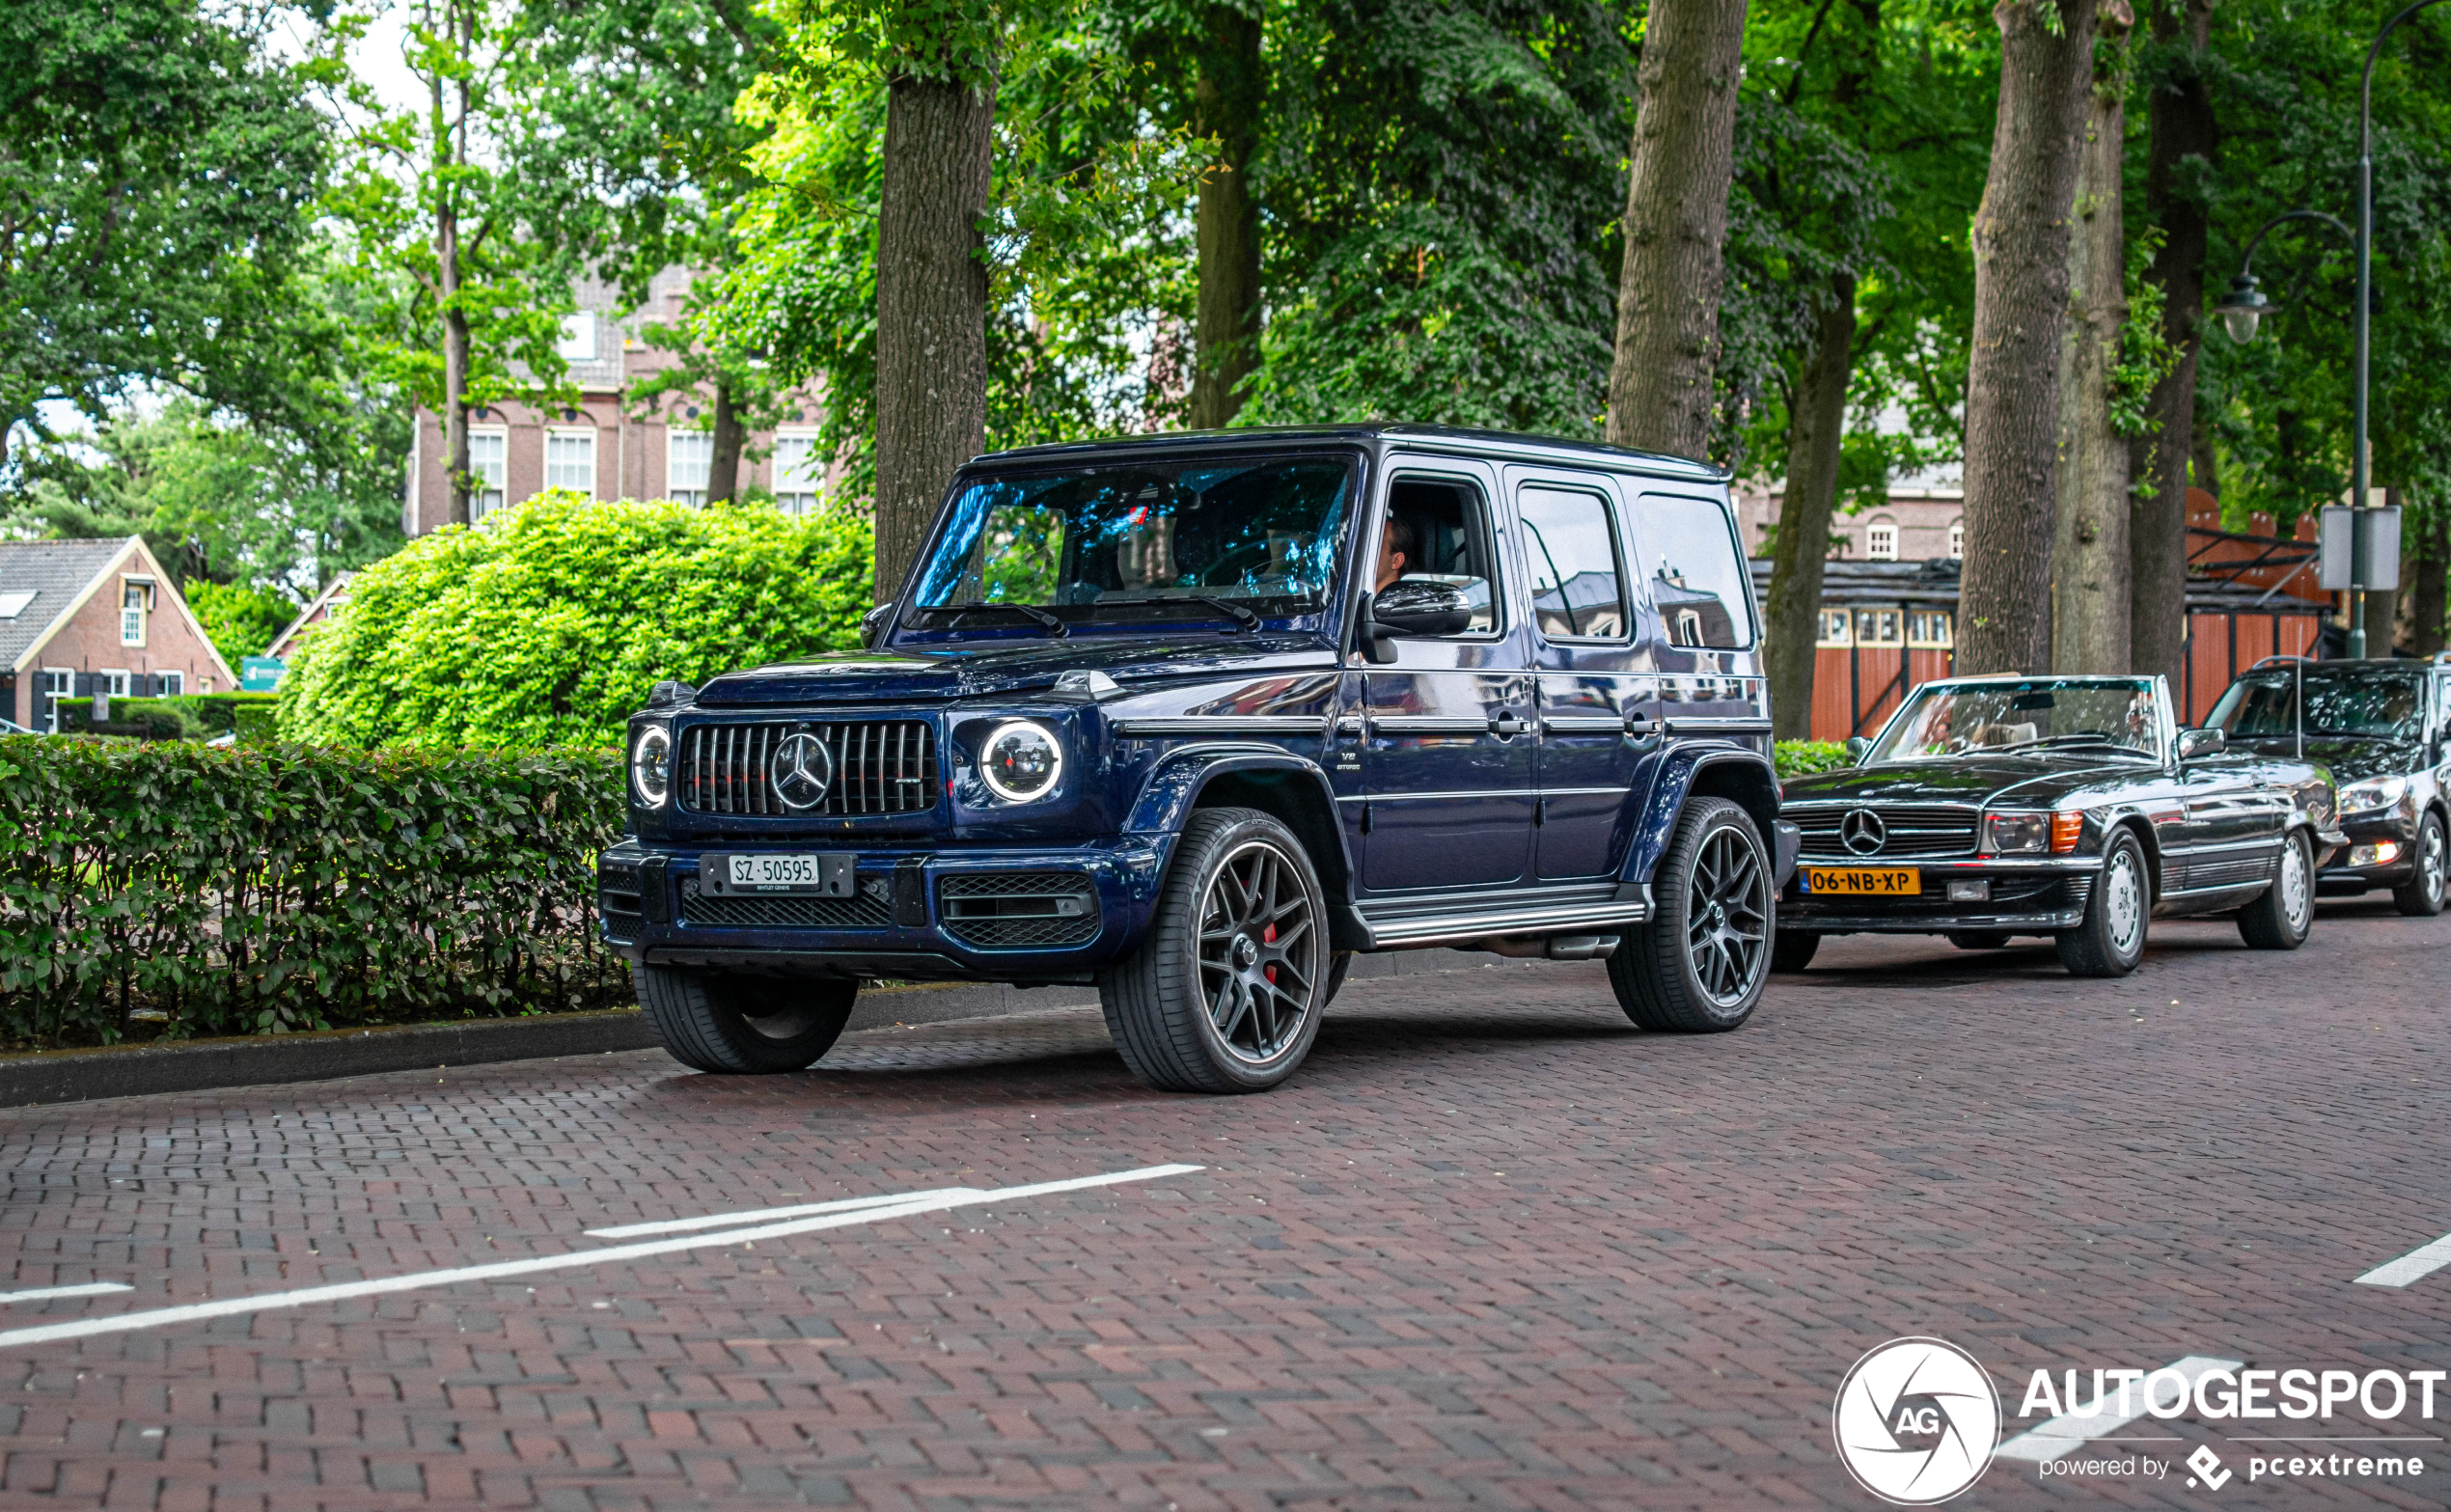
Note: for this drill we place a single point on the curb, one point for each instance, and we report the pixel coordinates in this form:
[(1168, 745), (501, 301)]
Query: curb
[(197, 1065)]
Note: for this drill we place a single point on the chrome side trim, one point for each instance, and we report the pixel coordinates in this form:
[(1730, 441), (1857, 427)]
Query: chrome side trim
[(1697, 725), (1528, 794), (1225, 725), (1427, 724), (1438, 929), (1584, 724)]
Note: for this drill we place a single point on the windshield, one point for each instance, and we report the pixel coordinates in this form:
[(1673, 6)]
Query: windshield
[(2338, 702), (1233, 540), (2113, 714)]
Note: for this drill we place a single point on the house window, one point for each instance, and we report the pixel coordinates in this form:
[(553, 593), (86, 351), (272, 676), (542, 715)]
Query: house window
[(569, 461), (58, 682), (1880, 542), (132, 614), (1957, 541), (1877, 628), (112, 681), (689, 460), (487, 451), (578, 337), (1834, 625), (1929, 627), (174, 684), (799, 479), (13, 603)]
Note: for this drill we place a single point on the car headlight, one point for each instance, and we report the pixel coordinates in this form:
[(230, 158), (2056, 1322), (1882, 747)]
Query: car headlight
[(652, 765), (1020, 761), (2017, 833), (2374, 792)]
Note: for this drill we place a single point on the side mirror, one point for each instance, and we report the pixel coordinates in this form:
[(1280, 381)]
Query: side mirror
[(872, 623), (1857, 748), (2194, 743), (1422, 606)]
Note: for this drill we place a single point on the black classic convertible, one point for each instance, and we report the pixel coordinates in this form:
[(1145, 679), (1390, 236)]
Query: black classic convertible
[(2068, 807)]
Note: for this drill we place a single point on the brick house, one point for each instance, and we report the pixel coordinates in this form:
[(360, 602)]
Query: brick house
[(327, 603), (81, 617), (595, 447)]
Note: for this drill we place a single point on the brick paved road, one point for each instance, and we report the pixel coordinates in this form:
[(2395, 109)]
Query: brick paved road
[(1493, 1248)]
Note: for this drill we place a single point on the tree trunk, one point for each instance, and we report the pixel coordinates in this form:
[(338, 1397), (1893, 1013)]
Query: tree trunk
[(2089, 561), (2020, 303), (2178, 111), (2428, 579), (931, 308), (723, 470), (455, 325), (1227, 104), (1676, 223), (1817, 424)]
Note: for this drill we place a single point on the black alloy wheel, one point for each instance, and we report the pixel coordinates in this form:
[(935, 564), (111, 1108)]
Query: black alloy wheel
[(1792, 949), (1700, 964), (2421, 895), (1225, 990), (2283, 913), (737, 1022)]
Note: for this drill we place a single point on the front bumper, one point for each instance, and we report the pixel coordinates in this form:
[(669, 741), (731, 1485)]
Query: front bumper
[(2029, 894), (2347, 873), (945, 913)]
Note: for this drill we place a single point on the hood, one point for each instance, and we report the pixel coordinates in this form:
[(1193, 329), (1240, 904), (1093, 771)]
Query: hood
[(2350, 757), (1003, 667), (2018, 781)]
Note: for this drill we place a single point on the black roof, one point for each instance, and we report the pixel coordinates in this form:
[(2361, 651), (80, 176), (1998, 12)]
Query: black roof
[(1590, 452)]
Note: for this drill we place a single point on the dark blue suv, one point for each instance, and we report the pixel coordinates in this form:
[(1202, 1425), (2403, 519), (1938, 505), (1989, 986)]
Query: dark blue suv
[(1198, 718)]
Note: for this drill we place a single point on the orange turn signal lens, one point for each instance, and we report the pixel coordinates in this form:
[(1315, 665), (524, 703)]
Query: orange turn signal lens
[(2065, 830)]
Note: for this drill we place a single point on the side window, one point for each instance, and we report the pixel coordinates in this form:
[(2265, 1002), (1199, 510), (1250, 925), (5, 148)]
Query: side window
[(1439, 529), (1576, 592), (1689, 564)]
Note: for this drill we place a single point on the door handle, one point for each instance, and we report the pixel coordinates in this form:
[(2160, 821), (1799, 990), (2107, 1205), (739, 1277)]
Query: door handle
[(1638, 722), (1505, 723)]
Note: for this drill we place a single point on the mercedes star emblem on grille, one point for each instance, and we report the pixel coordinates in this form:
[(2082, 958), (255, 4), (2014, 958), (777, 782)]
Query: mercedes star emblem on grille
[(801, 770), (1861, 831)]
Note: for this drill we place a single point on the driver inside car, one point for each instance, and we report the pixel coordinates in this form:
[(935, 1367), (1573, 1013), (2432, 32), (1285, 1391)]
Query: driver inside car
[(1396, 549)]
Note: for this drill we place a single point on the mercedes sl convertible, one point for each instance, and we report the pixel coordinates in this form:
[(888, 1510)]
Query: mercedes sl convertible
[(2072, 808)]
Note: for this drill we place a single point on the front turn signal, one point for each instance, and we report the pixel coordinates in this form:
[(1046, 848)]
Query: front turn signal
[(2066, 829)]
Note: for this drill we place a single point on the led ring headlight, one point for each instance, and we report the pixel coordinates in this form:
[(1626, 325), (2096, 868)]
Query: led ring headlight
[(652, 765), (1021, 761)]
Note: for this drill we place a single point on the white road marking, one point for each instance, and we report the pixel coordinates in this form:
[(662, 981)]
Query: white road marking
[(921, 1202), (2414, 1266), (2069, 1432), (88, 1289), (768, 1214)]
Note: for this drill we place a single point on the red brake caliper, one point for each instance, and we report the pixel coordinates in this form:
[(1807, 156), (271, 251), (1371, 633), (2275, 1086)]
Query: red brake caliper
[(1270, 935)]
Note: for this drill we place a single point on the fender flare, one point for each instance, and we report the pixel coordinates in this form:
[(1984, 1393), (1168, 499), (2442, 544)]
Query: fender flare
[(1173, 789), (1678, 769)]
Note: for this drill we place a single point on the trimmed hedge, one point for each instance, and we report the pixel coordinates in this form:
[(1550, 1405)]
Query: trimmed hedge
[(1801, 757), (192, 716), (261, 890)]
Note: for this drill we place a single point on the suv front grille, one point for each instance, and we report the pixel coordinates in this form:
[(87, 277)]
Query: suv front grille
[(862, 910), (1006, 910), (880, 766), (1913, 830)]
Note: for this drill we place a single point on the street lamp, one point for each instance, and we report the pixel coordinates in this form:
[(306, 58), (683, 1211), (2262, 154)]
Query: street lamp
[(2245, 304)]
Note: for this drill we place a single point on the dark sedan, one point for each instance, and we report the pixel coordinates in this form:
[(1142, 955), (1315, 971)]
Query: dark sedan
[(2384, 729), (2068, 807)]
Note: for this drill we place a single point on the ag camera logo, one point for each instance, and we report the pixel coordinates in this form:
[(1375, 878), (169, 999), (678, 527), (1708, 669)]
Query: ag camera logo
[(1916, 1421)]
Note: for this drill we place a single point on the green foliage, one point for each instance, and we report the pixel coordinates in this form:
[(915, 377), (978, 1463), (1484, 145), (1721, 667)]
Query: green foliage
[(265, 890), (2146, 354), (548, 624), (1804, 757), (241, 621), (192, 716)]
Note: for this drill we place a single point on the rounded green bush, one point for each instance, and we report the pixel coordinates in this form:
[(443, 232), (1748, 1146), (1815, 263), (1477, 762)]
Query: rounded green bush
[(547, 625)]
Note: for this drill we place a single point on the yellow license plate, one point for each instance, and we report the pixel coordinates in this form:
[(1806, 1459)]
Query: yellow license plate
[(1884, 880)]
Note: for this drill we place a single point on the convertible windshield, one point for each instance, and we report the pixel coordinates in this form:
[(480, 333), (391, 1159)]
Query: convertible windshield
[(1223, 540), (2341, 701), (2110, 714)]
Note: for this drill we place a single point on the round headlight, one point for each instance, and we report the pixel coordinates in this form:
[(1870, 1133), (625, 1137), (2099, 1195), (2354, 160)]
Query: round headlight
[(1021, 761), (652, 765)]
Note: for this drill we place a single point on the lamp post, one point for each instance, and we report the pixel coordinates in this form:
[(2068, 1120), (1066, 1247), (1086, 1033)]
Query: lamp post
[(2359, 318)]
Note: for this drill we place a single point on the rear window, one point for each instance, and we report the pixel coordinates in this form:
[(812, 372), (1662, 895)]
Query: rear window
[(1689, 565)]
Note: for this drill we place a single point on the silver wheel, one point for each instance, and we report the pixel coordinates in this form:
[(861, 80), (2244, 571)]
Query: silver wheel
[(2430, 861), (2421, 895), (2123, 902), (1728, 917), (2297, 888), (1258, 953)]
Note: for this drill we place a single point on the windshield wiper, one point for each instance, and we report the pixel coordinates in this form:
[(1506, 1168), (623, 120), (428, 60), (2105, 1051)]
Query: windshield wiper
[(1225, 606), (1032, 612)]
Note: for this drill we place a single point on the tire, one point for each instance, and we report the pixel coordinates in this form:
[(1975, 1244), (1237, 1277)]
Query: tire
[(2282, 915), (1978, 939), (737, 1024), (1700, 965), (1335, 976), (1792, 949), (2118, 911), (1225, 990), (2421, 895)]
